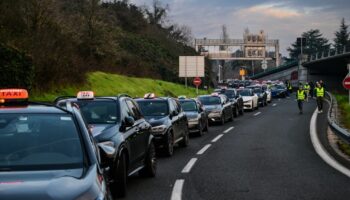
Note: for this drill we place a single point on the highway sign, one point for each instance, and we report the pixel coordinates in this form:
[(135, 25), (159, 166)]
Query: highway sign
[(191, 66), (346, 83), (197, 81)]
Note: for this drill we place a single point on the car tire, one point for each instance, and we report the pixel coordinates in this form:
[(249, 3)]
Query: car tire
[(150, 168), (232, 117), (241, 112), (200, 130), (206, 127), (169, 145), (236, 112), (222, 122), (185, 139), (119, 184)]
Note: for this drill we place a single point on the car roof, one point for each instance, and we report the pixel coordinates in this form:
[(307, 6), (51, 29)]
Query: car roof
[(31, 108), (154, 99)]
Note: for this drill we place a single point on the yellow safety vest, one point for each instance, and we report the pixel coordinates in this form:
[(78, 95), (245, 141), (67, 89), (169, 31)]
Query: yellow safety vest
[(301, 95), (306, 87), (320, 92)]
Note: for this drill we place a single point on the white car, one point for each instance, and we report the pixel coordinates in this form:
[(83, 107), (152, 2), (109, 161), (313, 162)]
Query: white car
[(268, 92), (250, 100)]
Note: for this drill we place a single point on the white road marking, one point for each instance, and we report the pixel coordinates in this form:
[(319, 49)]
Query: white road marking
[(321, 151), (229, 129), (177, 190), (258, 113), (217, 138), (189, 165), (206, 147), (274, 104), (279, 99)]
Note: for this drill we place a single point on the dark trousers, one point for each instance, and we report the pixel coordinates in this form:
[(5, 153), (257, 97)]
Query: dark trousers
[(300, 105), (319, 103)]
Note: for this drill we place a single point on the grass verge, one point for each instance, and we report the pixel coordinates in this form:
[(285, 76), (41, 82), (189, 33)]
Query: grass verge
[(344, 107), (344, 147), (105, 84)]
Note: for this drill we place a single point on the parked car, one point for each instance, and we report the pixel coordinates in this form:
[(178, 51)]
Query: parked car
[(218, 107), (268, 92), (47, 152), (279, 91), (250, 99), (196, 116), (118, 123), (262, 95), (235, 99), (168, 120)]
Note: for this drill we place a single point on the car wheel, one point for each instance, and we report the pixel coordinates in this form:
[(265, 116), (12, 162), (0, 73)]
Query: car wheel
[(119, 184), (206, 126), (241, 112), (150, 167), (185, 139), (169, 146), (222, 121), (200, 129), (236, 112), (232, 117)]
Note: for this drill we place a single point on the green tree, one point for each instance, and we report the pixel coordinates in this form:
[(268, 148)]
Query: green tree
[(158, 14), (315, 43), (342, 39)]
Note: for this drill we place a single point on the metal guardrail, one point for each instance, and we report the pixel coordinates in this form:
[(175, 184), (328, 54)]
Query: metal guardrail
[(326, 54), (333, 122)]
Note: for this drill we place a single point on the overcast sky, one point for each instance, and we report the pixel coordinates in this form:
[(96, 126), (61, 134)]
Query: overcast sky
[(281, 19)]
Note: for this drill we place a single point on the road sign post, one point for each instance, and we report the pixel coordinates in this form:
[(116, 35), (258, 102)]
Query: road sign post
[(197, 82)]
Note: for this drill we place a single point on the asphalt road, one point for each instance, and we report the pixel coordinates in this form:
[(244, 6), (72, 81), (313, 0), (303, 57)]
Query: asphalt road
[(267, 155)]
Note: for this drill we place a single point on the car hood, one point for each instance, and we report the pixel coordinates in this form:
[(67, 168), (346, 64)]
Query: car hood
[(157, 120), (103, 132), (50, 185), (212, 107), (246, 98), (191, 115)]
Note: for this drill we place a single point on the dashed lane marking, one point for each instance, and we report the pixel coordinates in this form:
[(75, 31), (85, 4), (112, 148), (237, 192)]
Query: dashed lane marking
[(229, 129), (189, 165), (217, 138), (206, 147), (258, 113), (177, 190), (274, 104)]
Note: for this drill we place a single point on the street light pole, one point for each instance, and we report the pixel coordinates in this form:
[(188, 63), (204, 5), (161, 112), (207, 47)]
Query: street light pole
[(219, 73)]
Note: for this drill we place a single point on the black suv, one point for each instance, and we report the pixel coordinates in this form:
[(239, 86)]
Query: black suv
[(168, 120), (117, 121), (235, 99)]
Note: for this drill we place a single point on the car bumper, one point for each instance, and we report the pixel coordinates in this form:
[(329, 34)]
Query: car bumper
[(193, 126), (214, 117), (248, 106)]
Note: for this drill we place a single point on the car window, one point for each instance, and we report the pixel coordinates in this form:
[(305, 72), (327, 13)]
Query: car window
[(153, 107), (177, 106), (99, 112), (133, 110), (210, 100), (245, 93), (39, 142), (189, 106)]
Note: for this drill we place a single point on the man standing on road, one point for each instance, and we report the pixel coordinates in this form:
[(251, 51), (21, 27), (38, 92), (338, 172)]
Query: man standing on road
[(307, 90), (319, 97), (312, 88), (301, 95)]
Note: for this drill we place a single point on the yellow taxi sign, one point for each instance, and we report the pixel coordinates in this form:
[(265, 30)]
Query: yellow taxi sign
[(13, 94), (85, 95)]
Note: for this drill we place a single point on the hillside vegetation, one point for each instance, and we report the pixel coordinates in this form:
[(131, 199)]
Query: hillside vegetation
[(104, 84), (65, 39)]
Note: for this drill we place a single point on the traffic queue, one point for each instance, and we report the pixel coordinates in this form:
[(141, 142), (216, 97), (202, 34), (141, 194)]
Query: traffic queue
[(86, 146)]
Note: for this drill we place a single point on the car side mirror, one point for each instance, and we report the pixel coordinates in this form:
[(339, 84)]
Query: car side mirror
[(129, 121), (106, 149)]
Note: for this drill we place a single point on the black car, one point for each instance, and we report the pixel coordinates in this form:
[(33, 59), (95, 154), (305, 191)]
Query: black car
[(118, 121), (196, 116), (168, 120), (278, 91), (262, 95), (235, 99), (47, 152), (218, 107)]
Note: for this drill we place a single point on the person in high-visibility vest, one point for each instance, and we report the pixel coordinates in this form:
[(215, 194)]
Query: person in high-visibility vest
[(301, 95), (307, 90), (319, 90)]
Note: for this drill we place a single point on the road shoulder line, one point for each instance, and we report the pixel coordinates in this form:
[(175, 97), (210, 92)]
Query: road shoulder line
[(321, 151), (177, 190)]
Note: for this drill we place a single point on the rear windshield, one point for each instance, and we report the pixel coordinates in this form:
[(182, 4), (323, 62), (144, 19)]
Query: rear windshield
[(189, 105), (154, 108), (39, 142), (99, 112), (210, 100), (230, 93)]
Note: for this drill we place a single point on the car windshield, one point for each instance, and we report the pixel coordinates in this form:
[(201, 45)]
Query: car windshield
[(229, 93), (245, 93), (189, 105), (280, 87), (99, 112), (39, 142), (257, 90), (154, 108), (210, 100)]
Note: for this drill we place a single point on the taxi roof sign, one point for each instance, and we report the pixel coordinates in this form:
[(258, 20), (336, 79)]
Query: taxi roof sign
[(149, 96), (85, 95), (13, 94)]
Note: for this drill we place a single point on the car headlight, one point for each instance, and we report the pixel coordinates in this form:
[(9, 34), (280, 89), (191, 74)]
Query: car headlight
[(158, 129)]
